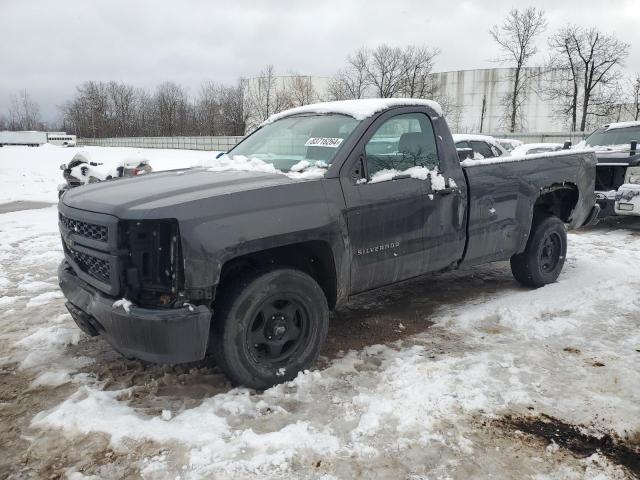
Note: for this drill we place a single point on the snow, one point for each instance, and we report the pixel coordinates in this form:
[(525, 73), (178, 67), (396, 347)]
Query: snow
[(32, 173), (124, 303), (421, 407), (519, 158), (303, 170), (468, 137), (616, 125), (418, 172), (358, 109), (525, 148)]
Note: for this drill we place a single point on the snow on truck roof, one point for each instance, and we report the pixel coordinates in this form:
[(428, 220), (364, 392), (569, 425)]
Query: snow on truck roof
[(470, 137), (358, 109), (614, 126)]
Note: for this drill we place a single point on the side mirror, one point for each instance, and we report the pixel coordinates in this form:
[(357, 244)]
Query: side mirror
[(63, 166), (566, 145)]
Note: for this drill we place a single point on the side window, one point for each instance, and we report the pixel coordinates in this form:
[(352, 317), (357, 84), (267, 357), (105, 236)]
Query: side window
[(402, 142), (496, 151), (482, 148)]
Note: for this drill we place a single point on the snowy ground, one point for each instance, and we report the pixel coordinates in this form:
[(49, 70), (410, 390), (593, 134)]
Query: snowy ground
[(442, 377), (33, 173)]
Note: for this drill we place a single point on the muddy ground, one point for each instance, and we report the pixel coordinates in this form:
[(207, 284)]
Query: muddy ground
[(398, 316)]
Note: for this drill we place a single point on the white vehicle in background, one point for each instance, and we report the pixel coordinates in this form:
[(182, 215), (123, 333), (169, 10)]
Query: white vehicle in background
[(478, 147), (509, 143), (26, 138), (62, 139), (35, 138), (531, 148)]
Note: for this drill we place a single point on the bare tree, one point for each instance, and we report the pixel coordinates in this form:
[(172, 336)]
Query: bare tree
[(516, 38), (301, 90), (171, 109), (386, 70), (24, 113), (600, 54), (563, 84), (264, 96), (418, 63), (634, 104), (122, 109), (586, 63)]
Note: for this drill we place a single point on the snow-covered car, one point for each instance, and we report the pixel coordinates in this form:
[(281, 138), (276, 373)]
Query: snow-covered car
[(531, 148), (509, 143), (618, 171), (81, 170), (478, 146)]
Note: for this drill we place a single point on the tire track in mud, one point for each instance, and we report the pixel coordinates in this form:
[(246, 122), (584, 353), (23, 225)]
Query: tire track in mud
[(580, 440)]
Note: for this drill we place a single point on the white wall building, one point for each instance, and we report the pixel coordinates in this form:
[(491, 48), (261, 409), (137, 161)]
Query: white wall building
[(465, 92), (468, 90)]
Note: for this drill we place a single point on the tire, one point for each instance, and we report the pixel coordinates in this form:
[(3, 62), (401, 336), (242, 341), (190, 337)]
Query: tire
[(269, 326), (544, 256)]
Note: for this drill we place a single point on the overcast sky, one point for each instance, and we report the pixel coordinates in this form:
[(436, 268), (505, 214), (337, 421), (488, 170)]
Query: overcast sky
[(48, 47)]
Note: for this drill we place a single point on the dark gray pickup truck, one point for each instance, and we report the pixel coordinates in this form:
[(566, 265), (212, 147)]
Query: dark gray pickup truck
[(244, 259)]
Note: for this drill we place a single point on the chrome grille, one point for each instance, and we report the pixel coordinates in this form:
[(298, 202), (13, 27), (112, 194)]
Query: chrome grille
[(92, 231)]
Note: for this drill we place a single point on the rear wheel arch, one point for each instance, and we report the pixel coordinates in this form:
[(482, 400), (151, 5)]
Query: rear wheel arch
[(559, 200)]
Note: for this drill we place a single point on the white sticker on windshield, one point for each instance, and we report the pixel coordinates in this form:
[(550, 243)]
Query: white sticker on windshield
[(323, 142)]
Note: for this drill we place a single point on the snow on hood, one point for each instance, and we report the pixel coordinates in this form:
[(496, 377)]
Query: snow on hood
[(302, 170), (358, 109)]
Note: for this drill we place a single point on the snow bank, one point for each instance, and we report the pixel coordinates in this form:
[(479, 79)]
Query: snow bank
[(358, 109), (28, 173)]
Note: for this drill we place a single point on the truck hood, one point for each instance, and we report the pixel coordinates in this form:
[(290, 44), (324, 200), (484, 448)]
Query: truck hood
[(148, 195)]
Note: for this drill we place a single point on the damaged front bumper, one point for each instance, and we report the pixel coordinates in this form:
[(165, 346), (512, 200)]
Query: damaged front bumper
[(169, 336), (627, 200)]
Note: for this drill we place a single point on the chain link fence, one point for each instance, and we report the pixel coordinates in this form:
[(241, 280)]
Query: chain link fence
[(226, 143), (543, 137), (184, 143)]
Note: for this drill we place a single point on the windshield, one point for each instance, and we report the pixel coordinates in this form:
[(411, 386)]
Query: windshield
[(617, 136), (286, 142)]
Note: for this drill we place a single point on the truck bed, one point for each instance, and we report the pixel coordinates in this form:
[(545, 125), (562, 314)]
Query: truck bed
[(502, 193)]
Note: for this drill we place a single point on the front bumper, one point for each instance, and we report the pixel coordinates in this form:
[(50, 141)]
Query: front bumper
[(627, 200), (176, 335)]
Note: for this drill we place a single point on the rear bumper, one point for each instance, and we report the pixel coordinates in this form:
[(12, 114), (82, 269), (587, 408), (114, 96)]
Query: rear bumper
[(155, 335)]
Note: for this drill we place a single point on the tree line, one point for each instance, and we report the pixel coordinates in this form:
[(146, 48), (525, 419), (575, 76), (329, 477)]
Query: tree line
[(581, 76)]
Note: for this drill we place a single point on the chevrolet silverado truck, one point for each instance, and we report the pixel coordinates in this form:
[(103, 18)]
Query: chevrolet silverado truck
[(242, 260), (618, 170)]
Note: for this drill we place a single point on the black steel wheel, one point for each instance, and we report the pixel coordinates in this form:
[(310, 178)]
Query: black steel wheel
[(269, 326), (543, 258)]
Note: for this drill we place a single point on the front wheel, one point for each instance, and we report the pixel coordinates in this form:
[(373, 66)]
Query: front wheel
[(543, 258), (269, 326)]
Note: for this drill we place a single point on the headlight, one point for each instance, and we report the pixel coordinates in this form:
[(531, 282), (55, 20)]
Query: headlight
[(633, 175)]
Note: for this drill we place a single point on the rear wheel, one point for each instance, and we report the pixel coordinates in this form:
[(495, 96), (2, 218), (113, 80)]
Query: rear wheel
[(544, 256), (269, 326)]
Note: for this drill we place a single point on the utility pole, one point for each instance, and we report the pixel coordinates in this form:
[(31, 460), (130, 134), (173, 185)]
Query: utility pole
[(484, 109)]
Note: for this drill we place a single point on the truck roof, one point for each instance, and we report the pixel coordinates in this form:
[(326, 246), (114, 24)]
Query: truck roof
[(358, 109)]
